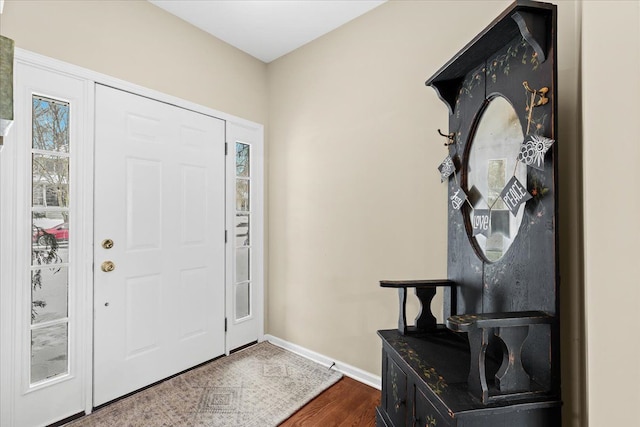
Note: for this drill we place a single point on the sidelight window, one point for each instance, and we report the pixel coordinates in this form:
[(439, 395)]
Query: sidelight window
[(49, 284), (242, 232)]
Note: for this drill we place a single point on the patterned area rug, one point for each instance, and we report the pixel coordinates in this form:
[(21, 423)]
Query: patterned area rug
[(260, 386)]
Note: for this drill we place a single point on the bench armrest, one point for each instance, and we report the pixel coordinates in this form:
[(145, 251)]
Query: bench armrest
[(418, 284), (425, 291), (466, 322), (512, 328)]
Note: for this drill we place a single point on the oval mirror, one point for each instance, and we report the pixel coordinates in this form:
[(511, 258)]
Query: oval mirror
[(491, 164)]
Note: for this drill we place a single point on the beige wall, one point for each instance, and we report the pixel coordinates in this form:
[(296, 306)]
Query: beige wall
[(141, 43), (354, 195), (354, 192), (611, 68)]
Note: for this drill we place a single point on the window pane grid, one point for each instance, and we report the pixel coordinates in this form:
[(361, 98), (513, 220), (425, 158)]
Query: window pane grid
[(243, 160), (50, 153), (49, 269), (43, 266), (243, 300), (243, 194), (40, 209), (53, 340), (50, 125), (43, 325), (242, 232)]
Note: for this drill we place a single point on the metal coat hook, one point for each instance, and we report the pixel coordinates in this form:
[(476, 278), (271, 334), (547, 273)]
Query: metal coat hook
[(542, 100), (540, 92), (451, 138)]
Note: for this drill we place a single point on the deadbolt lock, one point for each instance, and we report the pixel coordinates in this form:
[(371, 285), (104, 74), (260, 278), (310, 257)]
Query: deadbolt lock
[(108, 266), (107, 243)]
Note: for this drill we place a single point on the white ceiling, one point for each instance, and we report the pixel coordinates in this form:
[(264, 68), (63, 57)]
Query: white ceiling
[(267, 29)]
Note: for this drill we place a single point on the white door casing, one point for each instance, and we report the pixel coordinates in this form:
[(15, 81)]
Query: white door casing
[(27, 397), (159, 196)]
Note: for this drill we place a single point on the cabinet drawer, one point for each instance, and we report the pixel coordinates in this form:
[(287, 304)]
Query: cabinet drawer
[(425, 414)]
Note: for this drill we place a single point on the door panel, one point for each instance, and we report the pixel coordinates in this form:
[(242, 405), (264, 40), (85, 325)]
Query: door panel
[(192, 286), (159, 195), (143, 204), (44, 318), (142, 305)]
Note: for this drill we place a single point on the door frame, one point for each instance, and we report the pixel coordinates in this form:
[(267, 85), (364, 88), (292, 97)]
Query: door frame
[(8, 218)]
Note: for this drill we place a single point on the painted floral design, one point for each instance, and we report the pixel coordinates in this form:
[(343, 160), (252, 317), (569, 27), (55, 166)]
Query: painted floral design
[(465, 319), (538, 189), (394, 388), (520, 51), (435, 381)]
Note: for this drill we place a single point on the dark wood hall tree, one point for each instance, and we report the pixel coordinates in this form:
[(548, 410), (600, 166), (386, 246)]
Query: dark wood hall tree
[(495, 361)]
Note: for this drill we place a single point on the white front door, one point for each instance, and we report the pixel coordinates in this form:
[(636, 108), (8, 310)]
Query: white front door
[(160, 222)]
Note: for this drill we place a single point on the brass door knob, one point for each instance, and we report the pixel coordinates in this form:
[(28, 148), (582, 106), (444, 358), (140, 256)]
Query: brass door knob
[(108, 266), (107, 243)]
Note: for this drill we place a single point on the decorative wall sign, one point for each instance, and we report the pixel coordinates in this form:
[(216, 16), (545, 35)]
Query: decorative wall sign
[(533, 149), (458, 198), (481, 222), (446, 168), (514, 194)]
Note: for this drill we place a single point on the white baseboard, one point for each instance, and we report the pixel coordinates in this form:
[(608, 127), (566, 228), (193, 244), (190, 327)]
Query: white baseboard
[(344, 368)]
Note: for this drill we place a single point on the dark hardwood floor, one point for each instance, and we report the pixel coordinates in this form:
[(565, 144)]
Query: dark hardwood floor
[(347, 403)]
